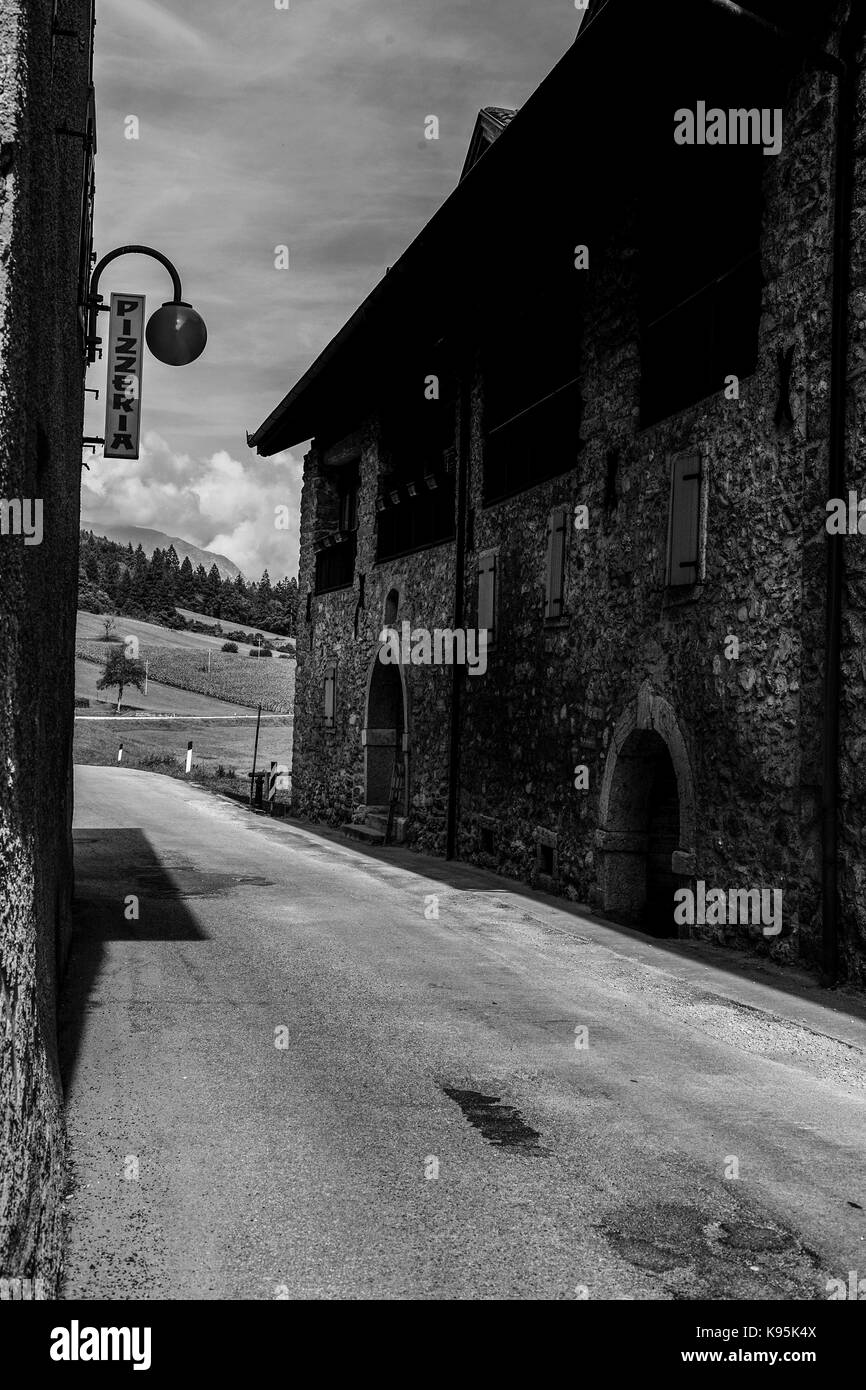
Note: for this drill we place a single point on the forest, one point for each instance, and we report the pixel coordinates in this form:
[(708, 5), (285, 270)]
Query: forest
[(114, 578)]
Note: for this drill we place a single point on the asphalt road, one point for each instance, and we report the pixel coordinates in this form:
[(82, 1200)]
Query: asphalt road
[(257, 1066)]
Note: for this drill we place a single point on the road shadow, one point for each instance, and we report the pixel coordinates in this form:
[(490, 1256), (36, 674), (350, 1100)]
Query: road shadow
[(113, 868)]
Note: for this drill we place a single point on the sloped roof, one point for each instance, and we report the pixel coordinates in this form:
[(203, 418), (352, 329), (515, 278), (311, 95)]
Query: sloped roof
[(605, 70), (489, 125)]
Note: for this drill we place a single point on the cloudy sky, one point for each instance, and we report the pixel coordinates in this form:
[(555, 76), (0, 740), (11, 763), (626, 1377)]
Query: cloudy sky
[(261, 127)]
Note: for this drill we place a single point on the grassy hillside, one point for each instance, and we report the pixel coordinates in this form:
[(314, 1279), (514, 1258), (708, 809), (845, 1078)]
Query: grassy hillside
[(273, 637), (160, 699), (181, 660), (90, 627)]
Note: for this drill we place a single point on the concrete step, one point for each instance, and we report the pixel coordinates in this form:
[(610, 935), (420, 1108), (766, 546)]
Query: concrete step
[(368, 833)]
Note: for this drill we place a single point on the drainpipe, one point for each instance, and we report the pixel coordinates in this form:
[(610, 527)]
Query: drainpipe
[(845, 125), (459, 586), (844, 69)]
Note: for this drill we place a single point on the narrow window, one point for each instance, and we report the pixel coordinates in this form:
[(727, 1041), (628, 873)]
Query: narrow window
[(392, 604), (685, 520), (555, 585), (487, 594), (347, 490), (330, 700)]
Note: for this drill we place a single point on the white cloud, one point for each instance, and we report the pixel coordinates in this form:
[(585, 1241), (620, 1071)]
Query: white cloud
[(217, 501), (259, 128)]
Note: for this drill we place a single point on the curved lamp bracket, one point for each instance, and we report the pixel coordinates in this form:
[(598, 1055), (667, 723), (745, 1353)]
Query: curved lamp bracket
[(94, 299)]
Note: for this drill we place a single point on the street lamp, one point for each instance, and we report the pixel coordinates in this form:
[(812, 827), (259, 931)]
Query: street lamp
[(176, 333)]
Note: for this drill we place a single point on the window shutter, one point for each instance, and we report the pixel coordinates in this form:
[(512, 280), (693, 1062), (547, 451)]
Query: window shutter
[(685, 518), (554, 589), (330, 695), (487, 595)]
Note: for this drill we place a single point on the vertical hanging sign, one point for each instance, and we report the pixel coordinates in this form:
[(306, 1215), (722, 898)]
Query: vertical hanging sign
[(123, 388)]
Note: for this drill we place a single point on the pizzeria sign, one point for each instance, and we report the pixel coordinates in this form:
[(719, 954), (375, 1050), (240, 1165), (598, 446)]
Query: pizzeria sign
[(123, 390)]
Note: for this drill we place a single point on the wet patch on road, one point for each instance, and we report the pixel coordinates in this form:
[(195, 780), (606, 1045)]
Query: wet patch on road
[(502, 1125), (714, 1257), (742, 1235), (193, 883), (658, 1243)]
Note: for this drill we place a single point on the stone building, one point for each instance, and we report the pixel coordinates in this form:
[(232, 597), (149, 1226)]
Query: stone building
[(598, 409), (47, 137)]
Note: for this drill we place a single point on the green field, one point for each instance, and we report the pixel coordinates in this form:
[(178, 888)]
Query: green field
[(190, 662), (91, 626), (222, 750), (160, 699)]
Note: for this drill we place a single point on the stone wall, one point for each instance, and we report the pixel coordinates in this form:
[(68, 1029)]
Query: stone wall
[(41, 412), (852, 877), (328, 767), (748, 730)]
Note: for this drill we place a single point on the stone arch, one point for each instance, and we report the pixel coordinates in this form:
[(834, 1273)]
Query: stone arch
[(646, 834), (385, 732)]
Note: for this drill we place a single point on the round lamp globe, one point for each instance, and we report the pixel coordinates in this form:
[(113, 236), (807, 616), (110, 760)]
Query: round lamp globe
[(176, 334)]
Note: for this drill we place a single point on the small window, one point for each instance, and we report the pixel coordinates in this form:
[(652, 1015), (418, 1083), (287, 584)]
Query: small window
[(392, 606), (347, 492), (330, 695), (487, 594), (335, 564), (415, 506), (530, 368), (546, 855), (545, 860), (554, 596), (685, 521)]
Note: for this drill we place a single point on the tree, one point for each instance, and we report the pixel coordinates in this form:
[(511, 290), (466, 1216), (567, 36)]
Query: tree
[(157, 596), (138, 587), (111, 577), (186, 581), (92, 599), (200, 591), (261, 597), (214, 591), (121, 670), (285, 606), (124, 590)]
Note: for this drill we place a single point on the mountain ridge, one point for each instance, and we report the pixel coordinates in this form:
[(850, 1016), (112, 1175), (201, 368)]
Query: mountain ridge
[(151, 540)]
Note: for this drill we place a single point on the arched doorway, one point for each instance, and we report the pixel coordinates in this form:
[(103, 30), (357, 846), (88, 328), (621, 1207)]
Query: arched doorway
[(646, 835), (384, 734)]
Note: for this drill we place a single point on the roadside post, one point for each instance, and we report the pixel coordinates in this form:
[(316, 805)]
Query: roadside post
[(255, 755), (120, 752), (189, 756)]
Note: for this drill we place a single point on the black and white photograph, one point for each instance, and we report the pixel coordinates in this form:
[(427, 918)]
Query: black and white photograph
[(433, 673)]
